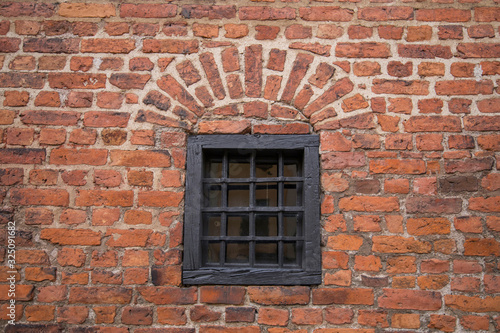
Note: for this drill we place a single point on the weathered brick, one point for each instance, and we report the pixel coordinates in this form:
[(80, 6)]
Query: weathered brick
[(264, 13), (334, 14), (278, 295), (355, 296), (148, 10), (104, 198), (170, 46), (86, 10), (51, 45), (362, 50)]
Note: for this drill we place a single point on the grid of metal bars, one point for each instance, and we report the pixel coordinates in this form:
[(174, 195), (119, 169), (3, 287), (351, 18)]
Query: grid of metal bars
[(220, 187)]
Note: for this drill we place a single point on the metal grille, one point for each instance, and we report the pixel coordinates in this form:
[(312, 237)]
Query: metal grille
[(252, 208)]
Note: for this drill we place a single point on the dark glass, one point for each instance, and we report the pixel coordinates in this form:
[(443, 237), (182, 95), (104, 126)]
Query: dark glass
[(239, 166), (292, 194), (266, 225), (266, 253), (290, 224), (237, 253), (237, 225), (291, 164), (213, 166), (238, 195), (266, 165), (289, 253), (266, 194), (211, 252), (211, 225), (213, 195)]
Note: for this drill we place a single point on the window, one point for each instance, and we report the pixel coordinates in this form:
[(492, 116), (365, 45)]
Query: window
[(252, 210)]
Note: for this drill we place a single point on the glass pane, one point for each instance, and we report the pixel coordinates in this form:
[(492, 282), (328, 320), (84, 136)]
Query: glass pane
[(266, 225), (213, 195), (292, 194), (266, 194), (239, 166), (238, 195), (291, 164), (266, 253), (211, 225), (290, 224), (290, 253), (213, 166), (211, 252), (237, 253), (266, 165), (237, 225)]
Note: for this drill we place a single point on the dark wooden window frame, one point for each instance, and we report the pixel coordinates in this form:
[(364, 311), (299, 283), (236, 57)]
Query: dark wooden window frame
[(194, 272)]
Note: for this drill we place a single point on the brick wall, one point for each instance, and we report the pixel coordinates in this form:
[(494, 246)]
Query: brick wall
[(99, 97)]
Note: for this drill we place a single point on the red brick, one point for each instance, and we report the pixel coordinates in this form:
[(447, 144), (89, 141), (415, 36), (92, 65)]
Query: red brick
[(334, 14), (77, 81), (310, 316), (19, 136), (300, 67), (472, 303), (169, 295), (475, 323), (71, 257), (366, 68), (100, 295), (253, 70), (410, 300), (400, 105), (367, 263), (208, 62), (265, 32), (205, 30), (36, 313), (266, 13), (385, 13), (148, 10), (224, 126), (75, 177), (279, 295), (71, 237), (339, 316), (359, 32), (369, 204), (362, 50), (433, 124), (48, 98), (43, 197), (51, 45), (27, 27), (381, 86), (390, 32), (401, 264), (443, 15), (177, 92), (114, 64), (204, 96), (170, 46), (396, 186), (443, 323), (419, 33), (171, 315), (72, 314), (86, 10), (397, 244), (338, 90), (450, 32), (355, 296), (482, 123), (16, 98), (465, 284), (22, 80), (51, 294), (464, 87), (489, 105), (23, 63), (240, 314), (104, 198), (333, 260), (236, 30), (298, 31), (481, 247), (83, 29), (41, 216), (289, 128), (201, 313), (208, 11), (486, 14), (424, 51)]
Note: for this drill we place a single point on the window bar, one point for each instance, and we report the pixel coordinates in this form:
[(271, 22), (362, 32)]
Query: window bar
[(251, 217), (281, 254), (222, 243)]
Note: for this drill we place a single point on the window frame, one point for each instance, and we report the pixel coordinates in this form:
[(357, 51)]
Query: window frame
[(193, 271)]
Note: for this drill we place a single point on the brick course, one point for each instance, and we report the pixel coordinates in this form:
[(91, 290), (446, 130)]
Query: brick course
[(97, 100)]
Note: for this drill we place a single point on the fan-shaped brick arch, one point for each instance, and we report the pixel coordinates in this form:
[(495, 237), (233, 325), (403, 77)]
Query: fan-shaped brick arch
[(250, 90)]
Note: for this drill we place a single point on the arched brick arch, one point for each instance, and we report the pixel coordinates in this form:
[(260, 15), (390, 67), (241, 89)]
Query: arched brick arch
[(253, 90)]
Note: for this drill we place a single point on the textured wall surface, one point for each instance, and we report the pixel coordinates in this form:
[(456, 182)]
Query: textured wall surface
[(98, 98)]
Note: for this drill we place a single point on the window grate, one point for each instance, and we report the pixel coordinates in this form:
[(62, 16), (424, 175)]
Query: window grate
[(247, 220)]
